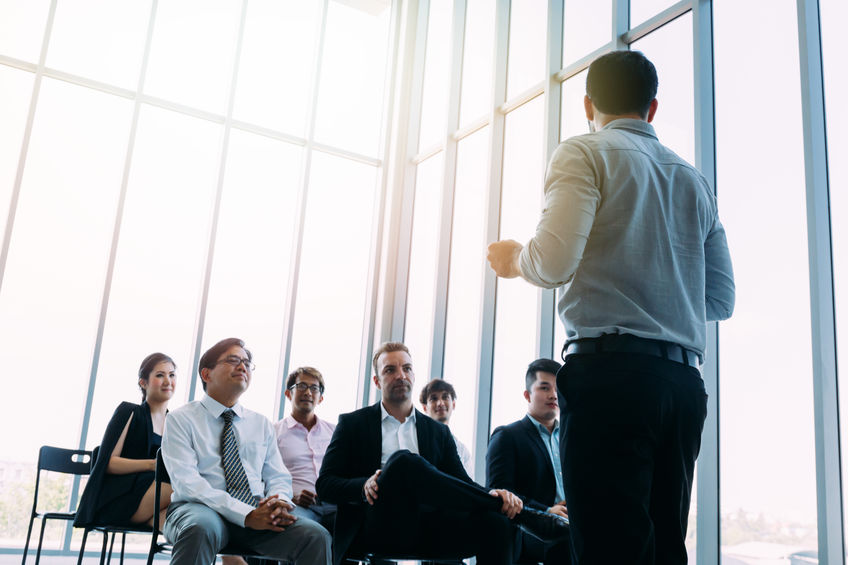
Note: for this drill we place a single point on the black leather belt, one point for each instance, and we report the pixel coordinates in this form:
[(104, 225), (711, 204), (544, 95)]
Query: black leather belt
[(626, 343)]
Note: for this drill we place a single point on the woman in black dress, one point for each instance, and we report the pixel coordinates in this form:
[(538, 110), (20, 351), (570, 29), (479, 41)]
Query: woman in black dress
[(120, 490)]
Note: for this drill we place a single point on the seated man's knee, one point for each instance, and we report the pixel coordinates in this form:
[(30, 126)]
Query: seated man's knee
[(400, 463), (198, 525)]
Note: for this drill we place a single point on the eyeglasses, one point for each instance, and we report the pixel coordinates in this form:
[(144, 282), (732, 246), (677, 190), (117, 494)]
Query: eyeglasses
[(236, 361), (314, 389)]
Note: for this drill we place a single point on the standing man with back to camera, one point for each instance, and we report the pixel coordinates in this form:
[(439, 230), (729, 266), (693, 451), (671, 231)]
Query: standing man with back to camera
[(631, 233)]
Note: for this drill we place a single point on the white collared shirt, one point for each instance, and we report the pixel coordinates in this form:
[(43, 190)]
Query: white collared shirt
[(396, 435), (191, 449)]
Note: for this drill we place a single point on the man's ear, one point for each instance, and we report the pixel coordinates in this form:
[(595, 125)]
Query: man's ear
[(320, 398), (527, 395), (588, 108), (376, 382), (288, 394), (204, 375), (652, 110)]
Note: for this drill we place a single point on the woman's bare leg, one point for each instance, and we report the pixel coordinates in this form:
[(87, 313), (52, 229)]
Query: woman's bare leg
[(232, 560), (144, 513)]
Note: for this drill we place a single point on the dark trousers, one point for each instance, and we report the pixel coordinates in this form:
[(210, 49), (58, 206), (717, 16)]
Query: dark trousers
[(534, 550), (421, 511), (632, 431)]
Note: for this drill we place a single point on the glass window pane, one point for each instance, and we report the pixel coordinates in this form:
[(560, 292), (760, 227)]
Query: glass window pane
[(434, 101), (353, 70), (193, 68), (53, 284), (766, 417), (670, 49), (277, 62), (587, 26), (573, 117), (160, 257), (15, 96), (527, 36), (423, 265), (22, 28), (517, 312), (465, 286), (836, 92), (250, 271), (477, 60), (337, 246), (81, 29), (642, 10)]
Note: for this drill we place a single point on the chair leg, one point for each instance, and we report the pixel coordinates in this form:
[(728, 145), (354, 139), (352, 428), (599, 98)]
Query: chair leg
[(103, 547), (26, 543), (123, 544), (40, 540), (82, 546), (111, 547)]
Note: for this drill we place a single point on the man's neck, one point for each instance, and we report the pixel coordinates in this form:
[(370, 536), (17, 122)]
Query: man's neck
[(399, 411), (228, 401), (307, 419), (550, 424)]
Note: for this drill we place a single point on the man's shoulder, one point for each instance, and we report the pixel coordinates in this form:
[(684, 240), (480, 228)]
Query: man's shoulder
[(511, 429), (187, 409), (360, 414)]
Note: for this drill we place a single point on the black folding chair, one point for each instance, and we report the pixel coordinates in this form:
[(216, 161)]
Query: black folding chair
[(58, 460), (106, 529)]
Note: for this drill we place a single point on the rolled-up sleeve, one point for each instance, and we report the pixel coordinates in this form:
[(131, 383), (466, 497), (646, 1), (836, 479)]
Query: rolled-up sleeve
[(572, 196), (181, 461), (720, 290)]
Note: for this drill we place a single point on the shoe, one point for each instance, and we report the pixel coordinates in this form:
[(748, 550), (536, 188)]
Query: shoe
[(543, 525)]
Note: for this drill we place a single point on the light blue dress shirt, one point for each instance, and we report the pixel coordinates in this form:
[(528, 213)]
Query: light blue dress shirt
[(551, 441), (191, 449), (631, 233)]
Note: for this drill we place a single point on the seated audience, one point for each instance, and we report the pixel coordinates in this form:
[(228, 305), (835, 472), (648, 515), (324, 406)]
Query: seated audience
[(302, 439), (523, 457), (120, 488), (230, 484), (438, 399), (401, 488)]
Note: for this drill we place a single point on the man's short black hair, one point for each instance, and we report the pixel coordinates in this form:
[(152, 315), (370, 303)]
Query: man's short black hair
[(435, 385), (544, 365), (209, 359), (622, 82)]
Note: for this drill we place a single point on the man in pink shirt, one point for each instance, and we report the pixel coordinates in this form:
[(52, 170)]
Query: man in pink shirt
[(302, 439)]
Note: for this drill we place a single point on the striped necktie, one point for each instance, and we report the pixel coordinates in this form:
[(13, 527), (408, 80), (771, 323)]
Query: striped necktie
[(237, 484)]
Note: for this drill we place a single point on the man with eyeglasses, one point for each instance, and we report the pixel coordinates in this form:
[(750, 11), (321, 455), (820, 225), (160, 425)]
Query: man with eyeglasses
[(230, 484), (302, 438)]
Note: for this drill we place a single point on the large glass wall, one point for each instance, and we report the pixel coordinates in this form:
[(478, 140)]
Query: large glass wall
[(216, 171)]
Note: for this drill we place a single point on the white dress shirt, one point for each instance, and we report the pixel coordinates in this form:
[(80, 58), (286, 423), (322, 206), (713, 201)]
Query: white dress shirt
[(464, 456), (631, 233), (396, 435), (303, 450), (191, 449)]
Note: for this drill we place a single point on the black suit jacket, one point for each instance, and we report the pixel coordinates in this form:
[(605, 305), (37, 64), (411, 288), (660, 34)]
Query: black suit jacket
[(518, 461), (354, 455)]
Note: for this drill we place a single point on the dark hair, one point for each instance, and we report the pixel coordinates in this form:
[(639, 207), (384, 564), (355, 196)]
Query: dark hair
[(622, 82), (147, 365), (311, 371), (544, 365), (436, 385), (387, 347), (209, 359)]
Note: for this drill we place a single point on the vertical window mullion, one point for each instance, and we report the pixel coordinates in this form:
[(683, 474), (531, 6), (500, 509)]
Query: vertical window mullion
[(822, 308)]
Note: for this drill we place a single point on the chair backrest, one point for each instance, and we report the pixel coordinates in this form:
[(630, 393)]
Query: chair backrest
[(60, 460)]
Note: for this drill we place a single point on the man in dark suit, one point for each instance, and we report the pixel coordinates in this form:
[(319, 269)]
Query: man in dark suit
[(523, 458), (401, 488)]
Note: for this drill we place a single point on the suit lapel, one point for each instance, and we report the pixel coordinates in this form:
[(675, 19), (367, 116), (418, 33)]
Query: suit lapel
[(536, 441), (374, 431)]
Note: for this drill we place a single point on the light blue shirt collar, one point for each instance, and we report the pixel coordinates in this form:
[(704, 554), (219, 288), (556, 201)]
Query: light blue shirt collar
[(542, 427), (216, 408)]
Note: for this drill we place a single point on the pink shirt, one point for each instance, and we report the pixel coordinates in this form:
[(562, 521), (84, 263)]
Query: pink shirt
[(303, 450)]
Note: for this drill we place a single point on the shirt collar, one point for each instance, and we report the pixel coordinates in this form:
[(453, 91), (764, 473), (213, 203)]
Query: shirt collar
[(216, 408), (637, 126), (387, 415), (291, 422), (541, 427)]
